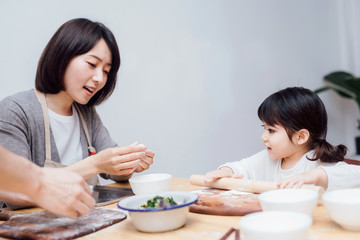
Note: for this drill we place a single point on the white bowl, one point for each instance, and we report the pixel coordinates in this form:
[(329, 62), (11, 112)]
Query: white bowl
[(298, 200), (275, 225), (343, 207), (150, 183), (155, 219)]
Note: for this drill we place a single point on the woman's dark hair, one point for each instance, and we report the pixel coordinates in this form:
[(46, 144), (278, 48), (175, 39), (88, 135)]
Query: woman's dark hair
[(74, 38), (299, 108)]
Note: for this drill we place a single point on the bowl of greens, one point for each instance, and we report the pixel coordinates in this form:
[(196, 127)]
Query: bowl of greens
[(159, 212)]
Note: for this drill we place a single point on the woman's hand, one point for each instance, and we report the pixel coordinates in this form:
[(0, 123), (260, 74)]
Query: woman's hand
[(121, 160), (220, 173), (145, 161), (316, 176)]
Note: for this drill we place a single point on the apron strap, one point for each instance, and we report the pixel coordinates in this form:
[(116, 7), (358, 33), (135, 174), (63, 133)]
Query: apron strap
[(92, 150), (42, 99)]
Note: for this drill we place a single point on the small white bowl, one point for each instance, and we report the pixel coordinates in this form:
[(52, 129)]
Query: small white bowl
[(343, 207), (298, 200), (150, 183), (155, 219), (275, 225)]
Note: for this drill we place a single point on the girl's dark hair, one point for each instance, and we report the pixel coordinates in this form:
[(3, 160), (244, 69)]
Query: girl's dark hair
[(299, 108), (73, 38)]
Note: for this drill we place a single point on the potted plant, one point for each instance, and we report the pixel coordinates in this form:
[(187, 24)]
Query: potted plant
[(347, 86)]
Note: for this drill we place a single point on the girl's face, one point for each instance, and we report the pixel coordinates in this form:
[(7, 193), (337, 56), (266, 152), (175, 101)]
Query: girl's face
[(278, 143), (86, 74)]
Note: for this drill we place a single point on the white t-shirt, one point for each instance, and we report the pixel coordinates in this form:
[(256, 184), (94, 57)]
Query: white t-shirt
[(261, 167), (66, 131)]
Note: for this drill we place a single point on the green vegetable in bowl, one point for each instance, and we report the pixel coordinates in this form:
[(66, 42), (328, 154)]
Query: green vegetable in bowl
[(159, 202)]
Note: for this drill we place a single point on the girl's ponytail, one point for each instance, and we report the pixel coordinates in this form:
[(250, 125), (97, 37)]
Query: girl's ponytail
[(327, 152)]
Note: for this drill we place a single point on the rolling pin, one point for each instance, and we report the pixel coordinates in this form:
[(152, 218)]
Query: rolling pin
[(244, 185)]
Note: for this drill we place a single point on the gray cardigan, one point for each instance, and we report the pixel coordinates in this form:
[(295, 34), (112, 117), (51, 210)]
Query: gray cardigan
[(22, 130)]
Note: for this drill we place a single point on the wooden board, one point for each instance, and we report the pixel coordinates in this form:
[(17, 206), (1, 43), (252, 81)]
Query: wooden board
[(45, 225), (226, 203)]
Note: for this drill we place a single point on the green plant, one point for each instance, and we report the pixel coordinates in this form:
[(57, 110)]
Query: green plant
[(345, 84)]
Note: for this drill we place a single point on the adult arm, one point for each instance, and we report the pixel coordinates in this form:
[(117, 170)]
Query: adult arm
[(57, 190)]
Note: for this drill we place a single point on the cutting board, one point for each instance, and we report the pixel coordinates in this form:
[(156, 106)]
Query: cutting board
[(225, 202), (46, 225)]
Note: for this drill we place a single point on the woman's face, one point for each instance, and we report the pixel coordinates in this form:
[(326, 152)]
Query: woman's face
[(86, 74)]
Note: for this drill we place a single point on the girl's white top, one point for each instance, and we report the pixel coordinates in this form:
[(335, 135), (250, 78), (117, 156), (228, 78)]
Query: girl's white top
[(262, 168)]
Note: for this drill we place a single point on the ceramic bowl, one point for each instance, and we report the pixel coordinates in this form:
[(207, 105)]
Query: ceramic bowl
[(298, 200), (275, 225), (155, 219), (150, 183), (343, 207)]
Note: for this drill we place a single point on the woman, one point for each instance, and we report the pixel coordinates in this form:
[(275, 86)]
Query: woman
[(57, 125)]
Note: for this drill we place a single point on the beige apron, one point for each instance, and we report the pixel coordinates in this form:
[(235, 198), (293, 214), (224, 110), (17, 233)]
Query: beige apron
[(48, 162)]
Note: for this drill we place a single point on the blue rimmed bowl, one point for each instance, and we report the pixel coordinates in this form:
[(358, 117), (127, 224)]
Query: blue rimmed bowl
[(158, 219)]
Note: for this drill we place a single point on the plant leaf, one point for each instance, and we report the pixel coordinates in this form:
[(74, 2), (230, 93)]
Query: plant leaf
[(342, 94), (344, 82), (355, 84)]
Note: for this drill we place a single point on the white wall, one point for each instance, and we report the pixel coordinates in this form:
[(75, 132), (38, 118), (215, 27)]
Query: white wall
[(194, 72)]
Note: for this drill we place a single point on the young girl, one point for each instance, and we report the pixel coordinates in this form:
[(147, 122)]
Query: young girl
[(297, 152), (57, 125)]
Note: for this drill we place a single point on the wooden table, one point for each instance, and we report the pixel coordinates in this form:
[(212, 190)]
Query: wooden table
[(200, 226)]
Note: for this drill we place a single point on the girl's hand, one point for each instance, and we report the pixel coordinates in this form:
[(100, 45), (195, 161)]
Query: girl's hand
[(316, 176), (220, 173), (120, 160)]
